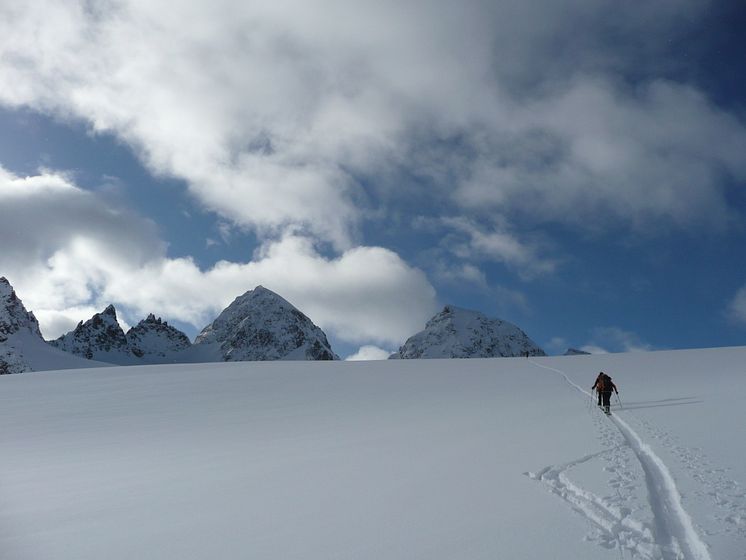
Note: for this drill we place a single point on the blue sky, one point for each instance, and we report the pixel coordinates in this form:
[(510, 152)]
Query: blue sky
[(577, 168)]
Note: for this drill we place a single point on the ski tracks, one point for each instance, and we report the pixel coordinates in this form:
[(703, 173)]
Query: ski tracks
[(616, 527), (725, 496), (669, 536)]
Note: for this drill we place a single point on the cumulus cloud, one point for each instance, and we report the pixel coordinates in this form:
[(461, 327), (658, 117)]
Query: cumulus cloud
[(280, 113), (496, 244), (72, 254), (458, 274), (615, 339), (369, 352), (736, 310), (593, 152), (557, 344)]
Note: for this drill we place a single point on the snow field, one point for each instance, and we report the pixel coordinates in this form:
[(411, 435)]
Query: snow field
[(394, 459)]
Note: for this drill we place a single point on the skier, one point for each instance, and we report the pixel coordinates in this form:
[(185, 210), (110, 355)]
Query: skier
[(604, 386)]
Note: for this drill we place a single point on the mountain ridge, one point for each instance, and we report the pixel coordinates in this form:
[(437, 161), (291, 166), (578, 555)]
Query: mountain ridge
[(456, 332)]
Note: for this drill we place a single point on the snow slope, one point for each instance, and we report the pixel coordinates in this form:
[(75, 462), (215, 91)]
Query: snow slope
[(398, 459), (37, 355)]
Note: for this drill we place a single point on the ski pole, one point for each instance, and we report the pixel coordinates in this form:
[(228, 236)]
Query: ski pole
[(620, 400)]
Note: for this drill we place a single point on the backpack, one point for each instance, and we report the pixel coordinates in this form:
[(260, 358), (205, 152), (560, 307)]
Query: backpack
[(603, 383)]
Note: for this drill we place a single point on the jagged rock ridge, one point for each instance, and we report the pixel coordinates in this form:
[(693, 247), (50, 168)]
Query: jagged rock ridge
[(13, 315), (102, 338), (99, 338), (153, 339), (22, 347), (261, 325), (576, 352), (463, 333), (14, 319)]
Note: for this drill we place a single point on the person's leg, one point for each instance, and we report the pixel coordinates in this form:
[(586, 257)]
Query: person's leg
[(599, 397), (607, 401)]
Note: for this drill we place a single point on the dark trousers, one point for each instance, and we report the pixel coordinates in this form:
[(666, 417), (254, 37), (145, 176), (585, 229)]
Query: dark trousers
[(607, 399)]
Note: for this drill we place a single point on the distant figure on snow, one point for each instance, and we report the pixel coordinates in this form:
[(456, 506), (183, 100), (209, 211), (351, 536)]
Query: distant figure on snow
[(604, 386)]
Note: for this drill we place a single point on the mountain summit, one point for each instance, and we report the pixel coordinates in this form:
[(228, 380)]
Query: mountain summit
[(22, 347), (13, 315), (463, 333), (151, 341), (261, 325), (99, 338), (15, 323), (154, 340)]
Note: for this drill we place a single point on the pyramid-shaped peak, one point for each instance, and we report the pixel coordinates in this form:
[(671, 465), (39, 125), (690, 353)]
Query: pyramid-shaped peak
[(99, 338), (260, 297), (456, 332), (261, 291), (262, 325), (13, 314)]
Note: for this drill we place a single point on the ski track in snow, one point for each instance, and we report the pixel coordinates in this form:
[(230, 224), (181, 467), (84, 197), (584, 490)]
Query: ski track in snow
[(726, 496), (671, 536)]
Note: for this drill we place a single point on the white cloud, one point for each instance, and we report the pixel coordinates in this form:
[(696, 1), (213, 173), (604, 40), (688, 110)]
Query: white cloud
[(498, 245), (272, 111), (655, 157), (69, 254), (458, 274), (614, 339), (369, 352), (557, 344), (736, 309)]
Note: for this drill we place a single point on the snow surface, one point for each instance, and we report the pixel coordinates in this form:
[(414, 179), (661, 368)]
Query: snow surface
[(399, 459), (34, 354), (463, 333)]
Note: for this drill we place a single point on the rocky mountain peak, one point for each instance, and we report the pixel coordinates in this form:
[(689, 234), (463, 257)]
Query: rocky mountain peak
[(154, 339), (261, 325), (463, 333), (13, 314), (99, 338)]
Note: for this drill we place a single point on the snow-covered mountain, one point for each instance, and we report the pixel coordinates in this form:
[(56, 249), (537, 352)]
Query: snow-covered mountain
[(15, 321), (13, 314), (463, 333), (576, 352), (261, 325), (153, 340), (99, 338), (22, 347)]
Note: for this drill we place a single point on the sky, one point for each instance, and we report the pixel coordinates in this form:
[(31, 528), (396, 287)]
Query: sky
[(576, 168)]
